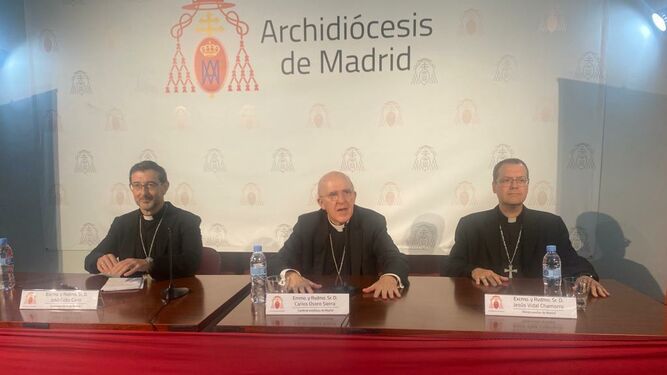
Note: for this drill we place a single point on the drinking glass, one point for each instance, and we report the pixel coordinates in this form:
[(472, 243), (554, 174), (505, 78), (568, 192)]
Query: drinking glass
[(581, 292), (568, 286), (276, 284)]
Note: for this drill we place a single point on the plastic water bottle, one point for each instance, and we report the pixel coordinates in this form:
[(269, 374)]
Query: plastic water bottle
[(257, 275), (7, 280), (551, 275)]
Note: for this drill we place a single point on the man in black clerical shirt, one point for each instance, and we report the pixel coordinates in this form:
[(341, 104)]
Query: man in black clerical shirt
[(510, 240), (341, 239), (139, 241)]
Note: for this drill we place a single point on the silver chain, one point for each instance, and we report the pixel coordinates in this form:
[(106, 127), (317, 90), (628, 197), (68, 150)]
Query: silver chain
[(342, 259), (518, 240), (141, 236)]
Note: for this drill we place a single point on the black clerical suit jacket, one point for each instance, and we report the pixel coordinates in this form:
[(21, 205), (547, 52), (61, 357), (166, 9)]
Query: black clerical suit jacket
[(478, 244), (372, 251), (123, 241)]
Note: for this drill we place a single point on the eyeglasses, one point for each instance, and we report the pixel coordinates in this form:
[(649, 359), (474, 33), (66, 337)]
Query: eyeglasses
[(507, 181), (334, 196), (138, 186)]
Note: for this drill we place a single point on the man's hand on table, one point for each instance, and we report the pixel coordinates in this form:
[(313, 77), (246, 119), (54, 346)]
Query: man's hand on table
[(298, 284), (386, 287), (595, 288), (126, 267), (487, 277)]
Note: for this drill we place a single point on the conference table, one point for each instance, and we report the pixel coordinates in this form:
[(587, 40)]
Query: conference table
[(439, 323), (210, 298), (455, 306)]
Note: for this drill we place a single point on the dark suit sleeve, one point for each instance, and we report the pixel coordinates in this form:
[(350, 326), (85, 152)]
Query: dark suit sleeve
[(187, 249), (572, 263), (109, 245), (457, 263), (289, 255), (389, 257)]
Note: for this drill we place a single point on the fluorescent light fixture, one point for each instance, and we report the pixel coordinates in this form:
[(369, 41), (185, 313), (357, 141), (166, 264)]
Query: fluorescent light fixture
[(660, 19)]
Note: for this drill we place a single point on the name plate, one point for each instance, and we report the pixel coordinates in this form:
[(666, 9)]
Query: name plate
[(530, 306), (54, 299), (307, 304)]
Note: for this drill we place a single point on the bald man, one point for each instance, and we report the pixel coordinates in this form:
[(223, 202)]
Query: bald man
[(341, 239)]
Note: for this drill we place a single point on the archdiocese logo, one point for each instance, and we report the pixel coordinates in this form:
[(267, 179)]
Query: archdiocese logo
[(251, 195), (30, 298), (213, 161), (115, 120), (424, 73), (466, 112), (390, 195), (120, 195), (49, 42), (282, 161), (582, 157), (501, 152), (283, 232), (423, 236), (471, 23), (89, 236), (391, 115), (506, 69), (352, 160), (543, 194), (217, 235), (553, 21), (318, 116), (589, 67), (211, 63), (84, 162), (465, 194), (184, 195), (148, 154), (81, 83), (496, 303), (425, 159), (277, 303)]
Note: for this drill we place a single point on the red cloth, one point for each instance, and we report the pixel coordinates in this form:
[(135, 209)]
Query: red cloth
[(31, 351)]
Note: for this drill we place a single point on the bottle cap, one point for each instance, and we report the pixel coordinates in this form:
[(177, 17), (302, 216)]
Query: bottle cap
[(551, 248), (256, 248)]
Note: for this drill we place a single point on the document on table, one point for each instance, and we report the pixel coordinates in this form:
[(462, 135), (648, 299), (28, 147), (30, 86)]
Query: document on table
[(115, 284)]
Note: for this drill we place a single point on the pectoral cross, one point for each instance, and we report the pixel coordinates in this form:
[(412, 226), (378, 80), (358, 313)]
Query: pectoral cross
[(510, 269)]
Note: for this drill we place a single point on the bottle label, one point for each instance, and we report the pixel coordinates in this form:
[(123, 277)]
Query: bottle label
[(257, 270), (551, 273)]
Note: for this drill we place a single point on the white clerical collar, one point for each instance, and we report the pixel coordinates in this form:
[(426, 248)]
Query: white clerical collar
[(338, 228), (510, 220), (159, 213)]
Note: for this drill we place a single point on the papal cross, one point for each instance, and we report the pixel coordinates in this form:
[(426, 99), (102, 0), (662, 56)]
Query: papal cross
[(510, 269)]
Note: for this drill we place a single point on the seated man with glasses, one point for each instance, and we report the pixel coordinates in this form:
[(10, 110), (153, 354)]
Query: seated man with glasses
[(139, 241), (510, 240), (341, 239)]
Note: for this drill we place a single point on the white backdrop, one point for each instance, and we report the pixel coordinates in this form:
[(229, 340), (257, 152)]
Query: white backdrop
[(419, 143)]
